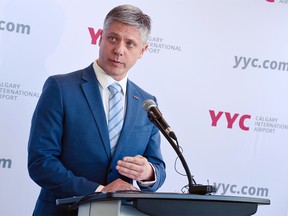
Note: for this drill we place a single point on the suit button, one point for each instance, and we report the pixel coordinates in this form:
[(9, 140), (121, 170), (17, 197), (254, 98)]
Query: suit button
[(110, 170)]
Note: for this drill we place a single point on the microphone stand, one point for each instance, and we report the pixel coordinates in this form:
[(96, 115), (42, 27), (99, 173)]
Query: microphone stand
[(193, 188), (154, 119)]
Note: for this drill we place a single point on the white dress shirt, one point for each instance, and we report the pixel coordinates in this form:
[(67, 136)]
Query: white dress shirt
[(104, 81)]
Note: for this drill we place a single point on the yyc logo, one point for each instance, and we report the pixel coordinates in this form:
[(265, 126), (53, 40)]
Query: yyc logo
[(278, 1), (232, 120), (94, 35)]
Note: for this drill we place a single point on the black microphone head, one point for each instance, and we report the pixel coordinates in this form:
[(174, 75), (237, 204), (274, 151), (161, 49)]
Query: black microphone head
[(147, 104)]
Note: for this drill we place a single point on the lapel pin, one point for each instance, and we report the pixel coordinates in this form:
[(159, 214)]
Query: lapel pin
[(135, 97)]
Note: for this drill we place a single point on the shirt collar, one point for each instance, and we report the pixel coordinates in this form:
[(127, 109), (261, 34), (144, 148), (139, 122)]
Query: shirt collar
[(105, 80)]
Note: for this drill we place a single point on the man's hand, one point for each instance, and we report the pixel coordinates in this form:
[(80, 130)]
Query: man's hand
[(117, 185), (136, 168)]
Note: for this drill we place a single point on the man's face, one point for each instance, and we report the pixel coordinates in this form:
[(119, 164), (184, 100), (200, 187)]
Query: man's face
[(120, 47)]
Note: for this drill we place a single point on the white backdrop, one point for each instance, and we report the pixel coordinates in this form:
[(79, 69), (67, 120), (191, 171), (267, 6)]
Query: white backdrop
[(218, 68)]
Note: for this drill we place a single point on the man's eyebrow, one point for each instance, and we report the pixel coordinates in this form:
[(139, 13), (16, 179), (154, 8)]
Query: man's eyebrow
[(112, 33), (117, 35), (131, 39)]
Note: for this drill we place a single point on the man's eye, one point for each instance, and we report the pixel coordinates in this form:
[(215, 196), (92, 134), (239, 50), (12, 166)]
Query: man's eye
[(131, 44), (111, 38)]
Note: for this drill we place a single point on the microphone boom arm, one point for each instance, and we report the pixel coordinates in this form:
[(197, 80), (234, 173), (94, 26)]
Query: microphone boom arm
[(154, 119)]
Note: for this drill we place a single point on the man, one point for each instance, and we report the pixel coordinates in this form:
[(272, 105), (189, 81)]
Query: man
[(71, 151)]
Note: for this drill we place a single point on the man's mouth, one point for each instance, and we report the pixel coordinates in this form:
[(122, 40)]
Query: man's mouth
[(115, 61)]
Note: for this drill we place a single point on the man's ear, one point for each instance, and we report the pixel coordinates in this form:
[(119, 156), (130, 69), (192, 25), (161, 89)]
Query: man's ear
[(145, 47)]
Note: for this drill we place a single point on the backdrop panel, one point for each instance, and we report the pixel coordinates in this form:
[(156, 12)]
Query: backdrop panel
[(218, 69)]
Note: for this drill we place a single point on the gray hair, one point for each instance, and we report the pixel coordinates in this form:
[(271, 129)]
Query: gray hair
[(130, 15)]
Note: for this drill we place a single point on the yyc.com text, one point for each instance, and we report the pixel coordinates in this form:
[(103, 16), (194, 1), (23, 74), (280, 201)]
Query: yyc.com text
[(233, 189), (247, 62)]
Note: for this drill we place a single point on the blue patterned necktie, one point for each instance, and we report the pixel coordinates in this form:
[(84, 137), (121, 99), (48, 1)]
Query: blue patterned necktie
[(115, 121)]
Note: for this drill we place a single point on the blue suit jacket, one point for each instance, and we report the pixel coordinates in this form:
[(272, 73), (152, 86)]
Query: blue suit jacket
[(69, 151)]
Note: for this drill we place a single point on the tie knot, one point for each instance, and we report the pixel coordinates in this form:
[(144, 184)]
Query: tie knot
[(114, 88)]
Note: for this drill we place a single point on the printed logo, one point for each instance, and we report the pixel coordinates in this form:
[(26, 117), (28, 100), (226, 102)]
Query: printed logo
[(11, 91), (14, 27), (94, 35), (278, 1), (230, 119), (225, 189), (242, 62), (245, 122), (157, 44), (5, 163)]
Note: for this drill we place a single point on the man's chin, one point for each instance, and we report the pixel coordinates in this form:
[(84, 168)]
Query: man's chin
[(117, 75)]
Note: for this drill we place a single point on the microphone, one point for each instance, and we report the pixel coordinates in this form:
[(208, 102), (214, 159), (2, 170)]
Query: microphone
[(154, 114)]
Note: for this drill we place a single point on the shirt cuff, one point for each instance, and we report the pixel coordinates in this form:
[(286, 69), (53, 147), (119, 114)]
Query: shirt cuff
[(99, 188)]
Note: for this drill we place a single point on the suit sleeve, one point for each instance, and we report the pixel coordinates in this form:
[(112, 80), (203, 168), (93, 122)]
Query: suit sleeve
[(44, 147)]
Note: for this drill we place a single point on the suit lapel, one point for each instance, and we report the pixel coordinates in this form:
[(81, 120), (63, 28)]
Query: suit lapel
[(93, 96), (91, 91)]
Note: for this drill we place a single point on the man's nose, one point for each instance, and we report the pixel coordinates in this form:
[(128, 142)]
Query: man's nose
[(119, 49)]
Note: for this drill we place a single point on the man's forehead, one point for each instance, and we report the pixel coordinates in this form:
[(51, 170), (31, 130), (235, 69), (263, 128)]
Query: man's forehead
[(118, 28)]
